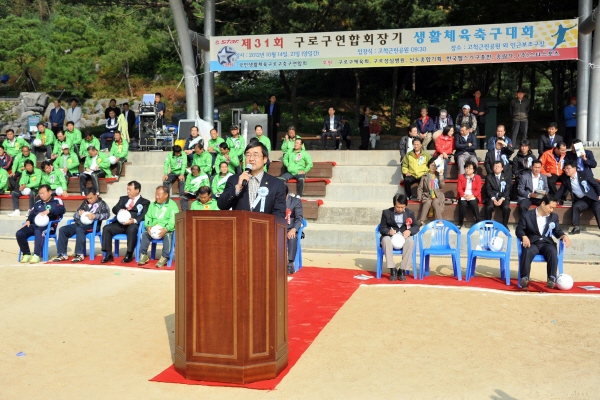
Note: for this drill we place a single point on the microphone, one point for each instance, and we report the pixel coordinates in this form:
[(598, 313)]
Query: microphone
[(248, 169)]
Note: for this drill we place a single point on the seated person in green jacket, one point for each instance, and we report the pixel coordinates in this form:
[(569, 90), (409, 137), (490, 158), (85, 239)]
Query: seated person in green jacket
[(194, 181), (289, 139), (213, 144), (46, 138), (119, 150), (3, 181), (202, 158), (67, 162), (174, 169), (298, 162), (219, 180), (29, 183), (96, 166), (89, 140), (237, 145), (73, 135), (161, 213), (12, 145), (204, 200), (231, 160), (18, 166), (57, 148), (414, 166), (54, 178)]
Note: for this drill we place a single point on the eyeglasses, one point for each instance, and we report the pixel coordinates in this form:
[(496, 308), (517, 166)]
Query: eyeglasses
[(253, 156)]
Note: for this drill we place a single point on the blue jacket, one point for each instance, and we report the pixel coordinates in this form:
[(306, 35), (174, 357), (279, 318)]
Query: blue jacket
[(422, 128), (55, 205), (57, 117), (570, 116)]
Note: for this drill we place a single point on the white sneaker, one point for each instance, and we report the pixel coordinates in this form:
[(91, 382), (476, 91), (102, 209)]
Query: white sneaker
[(15, 213)]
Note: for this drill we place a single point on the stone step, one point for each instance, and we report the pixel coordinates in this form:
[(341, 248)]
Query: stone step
[(352, 213), (367, 174), (361, 192)]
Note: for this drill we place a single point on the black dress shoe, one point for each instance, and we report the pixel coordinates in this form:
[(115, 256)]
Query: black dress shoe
[(401, 275), (575, 231), (290, 268), (551, 282), (392, 274), (127, 259), (107, 258), (524, 282)]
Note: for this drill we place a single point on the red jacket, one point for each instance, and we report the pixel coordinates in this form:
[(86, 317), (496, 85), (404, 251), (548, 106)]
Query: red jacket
[(444, 144), (476, 186)]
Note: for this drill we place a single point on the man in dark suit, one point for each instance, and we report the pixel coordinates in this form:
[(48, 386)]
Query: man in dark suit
[(274, 112), (585, 194), (479, 108), (137, 207), (585, 161), (398, 219), (535, 229), (261, 192), (130, 118), (498, 186), (501, 153), (293, 216), (549, 140), (332, 128), (529, 185)]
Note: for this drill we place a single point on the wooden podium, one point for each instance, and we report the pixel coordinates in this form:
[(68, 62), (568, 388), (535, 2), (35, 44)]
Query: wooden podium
[(230, 296)]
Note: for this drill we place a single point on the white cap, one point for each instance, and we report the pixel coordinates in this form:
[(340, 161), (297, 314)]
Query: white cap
[(374, 117), (468, 107), (64, 146)]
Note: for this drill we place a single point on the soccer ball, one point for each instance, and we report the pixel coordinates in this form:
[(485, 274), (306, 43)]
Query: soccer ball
[(564, 282), (37, 142), (26, 192), (41, 220), (155, 231), (123, 216), (398, 241), (85, 220), (496, 243), (112, 159), (59, 191)]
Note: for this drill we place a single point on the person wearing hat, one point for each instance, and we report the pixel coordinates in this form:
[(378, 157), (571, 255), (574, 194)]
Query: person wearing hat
[(190, 143), (374, 131), (236, 144), (570, 113), (519, 111), (67, 162), (466, 119), (346, 132), (88, 141)]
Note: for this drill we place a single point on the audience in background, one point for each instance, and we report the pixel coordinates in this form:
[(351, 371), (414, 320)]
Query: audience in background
[(469, 193), (204, 200), (553, 161), (414, 166), (430, 194)]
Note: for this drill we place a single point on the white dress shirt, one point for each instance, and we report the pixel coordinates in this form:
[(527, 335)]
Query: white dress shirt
[(576, 188), (541, 221)]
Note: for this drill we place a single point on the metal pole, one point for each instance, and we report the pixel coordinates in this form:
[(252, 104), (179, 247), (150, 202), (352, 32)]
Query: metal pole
[(209, 78), (187, 55), (584, 44), (594, 91)]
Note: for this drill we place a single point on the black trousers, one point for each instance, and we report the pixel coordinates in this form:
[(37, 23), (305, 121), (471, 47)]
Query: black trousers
[(15, 194), (570, 134), (346, 139), (118, 166), (94, 176), (526, 203), (67, 232), (580, 205), (489, 210), (117, 228), (299, 184), (31, 230), (272, 132), (364, 138), (409, 181), (548, 250), (292, 248), (13, 181), (552, 183), (462, 210), (171, 178)]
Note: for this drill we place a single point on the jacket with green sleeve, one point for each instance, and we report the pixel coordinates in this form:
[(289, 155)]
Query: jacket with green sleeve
[(162, 215)]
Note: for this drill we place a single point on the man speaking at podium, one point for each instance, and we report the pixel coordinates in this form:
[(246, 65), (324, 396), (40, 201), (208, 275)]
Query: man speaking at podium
[(254, 189)]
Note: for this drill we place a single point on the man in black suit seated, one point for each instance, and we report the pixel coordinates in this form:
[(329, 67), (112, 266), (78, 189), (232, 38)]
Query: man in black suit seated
[(585, 194), (293, 216), (255, 190), (549, 140), (535, 229), (498, 186), (137, 207), (332, 128), (585, 160), (501, 153), (398, 219)]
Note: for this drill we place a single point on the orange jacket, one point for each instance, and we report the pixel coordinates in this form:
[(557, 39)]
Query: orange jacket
[(550, 165)]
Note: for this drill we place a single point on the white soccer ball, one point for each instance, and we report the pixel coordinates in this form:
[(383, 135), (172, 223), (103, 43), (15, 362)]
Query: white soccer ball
[(123, 216), (496, 243), (398, 241), (26, 192), (59, 191), (112, 159), (85, 220), (41, 220), (564, 282), (37, 142), (155, 231)]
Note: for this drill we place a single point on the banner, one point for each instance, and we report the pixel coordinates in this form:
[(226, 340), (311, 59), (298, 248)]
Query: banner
[(447, 45)]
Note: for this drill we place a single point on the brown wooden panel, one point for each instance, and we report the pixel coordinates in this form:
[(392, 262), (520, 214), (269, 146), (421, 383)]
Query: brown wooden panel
[(73, 185), (181, 276), (281, 339), (258, 278), (310, 209), (310, 188), (321, 169)]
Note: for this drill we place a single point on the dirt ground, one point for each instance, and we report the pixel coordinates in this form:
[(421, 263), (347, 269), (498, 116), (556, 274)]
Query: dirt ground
[(101, 333)]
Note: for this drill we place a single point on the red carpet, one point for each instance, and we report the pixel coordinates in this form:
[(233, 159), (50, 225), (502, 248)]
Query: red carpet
[(117, 263), (314, 296)]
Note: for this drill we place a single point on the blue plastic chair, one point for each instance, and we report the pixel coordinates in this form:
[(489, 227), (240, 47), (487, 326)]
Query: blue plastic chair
[(121, 236), (487, 230), (440, 246), (90, 237), (48, 234), (298, 259), (153, 243), (541, 258), (380, 254)]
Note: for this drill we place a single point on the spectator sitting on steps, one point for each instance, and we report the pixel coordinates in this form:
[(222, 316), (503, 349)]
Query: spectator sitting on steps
[(406, 142), (375, 131), (414, 166)]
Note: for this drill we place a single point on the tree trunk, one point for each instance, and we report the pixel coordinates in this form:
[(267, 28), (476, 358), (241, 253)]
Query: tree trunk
[(293, 97), (521, 73), (357, 98), (413, 96), (532, 93), (127, 78), (286, 87), (31, 80), (461, 82), (394, 97), (499, 83), (555, 88)]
